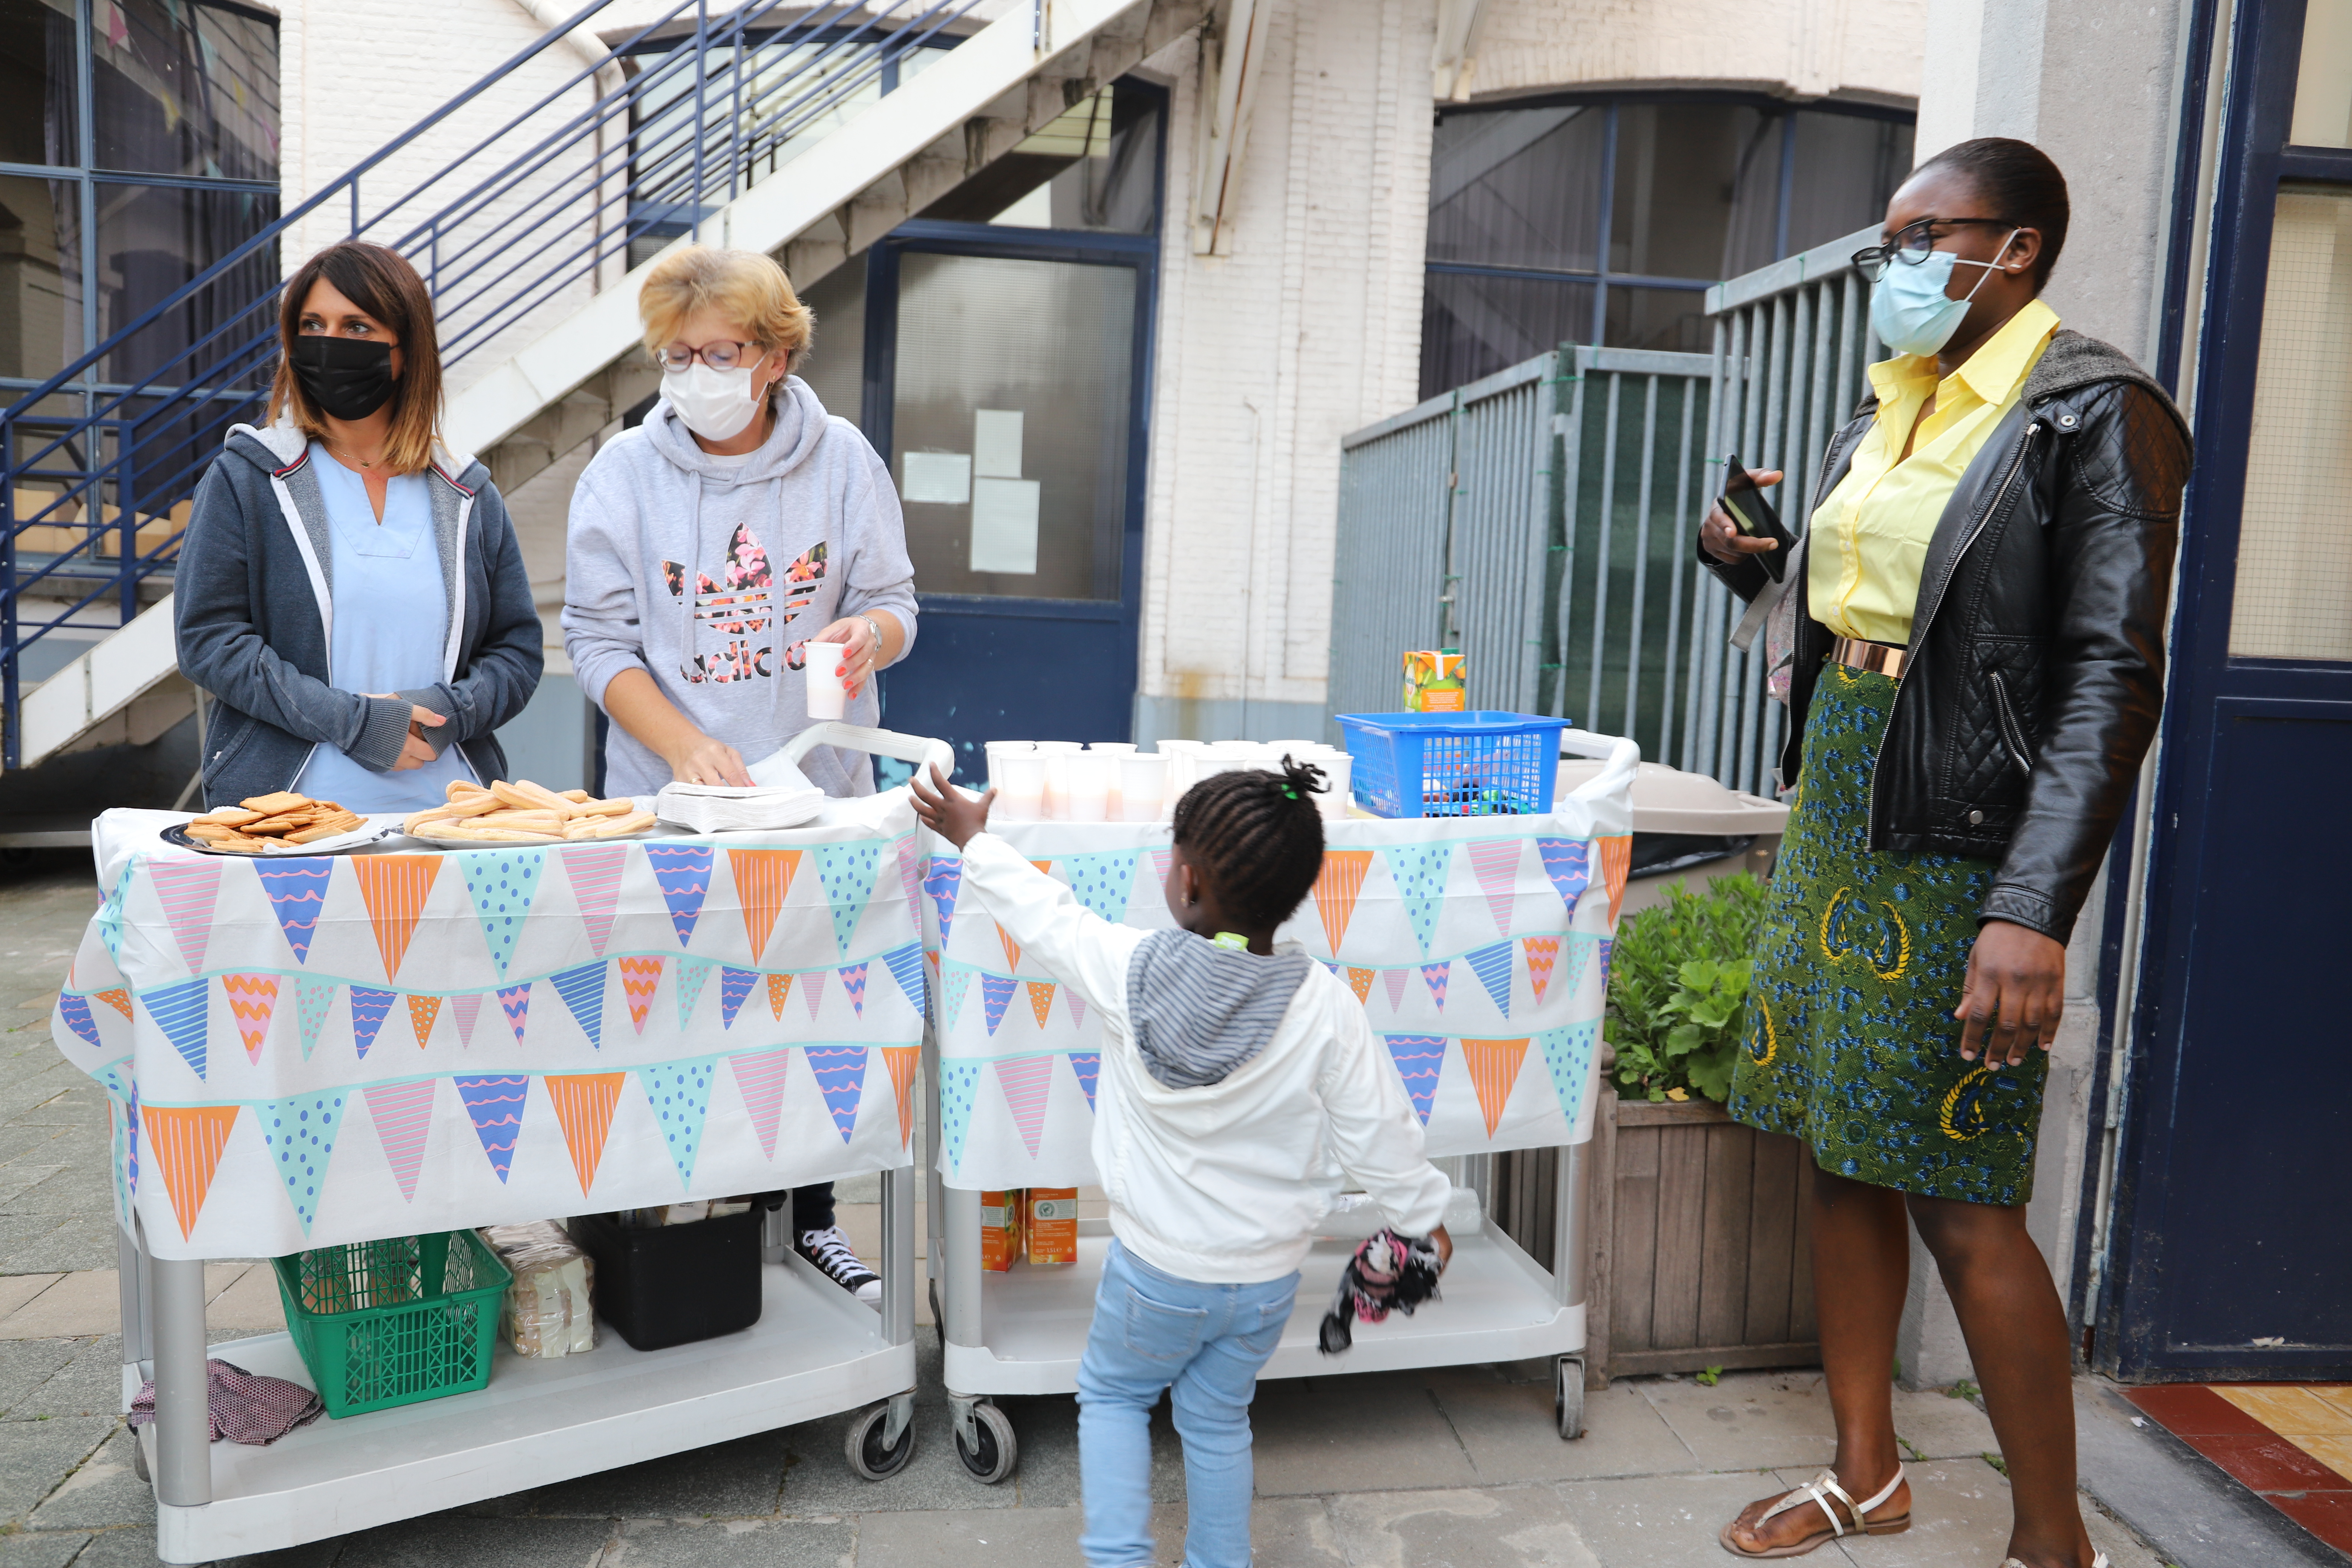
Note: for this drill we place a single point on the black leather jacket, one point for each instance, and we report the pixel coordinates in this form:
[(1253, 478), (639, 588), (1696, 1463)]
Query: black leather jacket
[(2036, 669)]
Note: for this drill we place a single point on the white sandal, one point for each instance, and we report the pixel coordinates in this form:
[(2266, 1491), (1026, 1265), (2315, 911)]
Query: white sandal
[(1818, 1491)]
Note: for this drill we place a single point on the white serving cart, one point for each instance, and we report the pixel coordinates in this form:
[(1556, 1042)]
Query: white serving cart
[(815, 1352), (1022, 1332)]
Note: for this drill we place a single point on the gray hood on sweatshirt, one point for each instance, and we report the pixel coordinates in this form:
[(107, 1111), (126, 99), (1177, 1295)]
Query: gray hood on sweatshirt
[(1201, 1012), (709, 573)]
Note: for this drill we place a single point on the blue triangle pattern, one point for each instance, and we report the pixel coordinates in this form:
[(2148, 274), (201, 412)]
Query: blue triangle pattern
[(1492, 966), (959, 1091), (75, 1010), (369, 1007), (1088, 1066), (734, 985), (680, 1092), (841, 1077), (683, 873), (1419, 871), (907, 968), (1568, 1056), (847, 871), (109, 916), (502, 884), (1103, 881), (183, 1012), (300, 1134), (583, 989)]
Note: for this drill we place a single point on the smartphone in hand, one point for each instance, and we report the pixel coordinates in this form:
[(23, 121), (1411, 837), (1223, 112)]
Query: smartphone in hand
[(1743, 501)]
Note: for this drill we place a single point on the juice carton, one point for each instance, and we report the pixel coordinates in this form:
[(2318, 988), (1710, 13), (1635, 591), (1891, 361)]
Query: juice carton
[(999, 1229), (1052, 1225), (1433, 682)]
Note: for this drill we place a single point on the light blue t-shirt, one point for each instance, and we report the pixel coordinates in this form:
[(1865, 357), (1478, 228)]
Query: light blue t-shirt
[(392, 619)]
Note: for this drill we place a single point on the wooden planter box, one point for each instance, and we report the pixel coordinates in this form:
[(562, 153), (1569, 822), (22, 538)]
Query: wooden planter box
[(1699, 1245)]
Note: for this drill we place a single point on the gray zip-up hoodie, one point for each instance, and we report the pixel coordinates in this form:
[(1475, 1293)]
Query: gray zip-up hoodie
[(711, 575), (253, 605)]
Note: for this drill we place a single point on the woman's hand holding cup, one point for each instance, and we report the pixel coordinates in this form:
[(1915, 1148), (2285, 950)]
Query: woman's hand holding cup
[(1721, 538), (859, 658)]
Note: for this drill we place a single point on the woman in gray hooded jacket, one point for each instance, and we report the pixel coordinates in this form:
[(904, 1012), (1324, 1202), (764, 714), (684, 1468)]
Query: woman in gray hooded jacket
[(350, 592)]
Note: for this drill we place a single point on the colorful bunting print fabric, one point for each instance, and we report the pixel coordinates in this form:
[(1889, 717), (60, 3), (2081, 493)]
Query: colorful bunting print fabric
[(395, 888), (74, 1011), (594, 872), (1103, 881), (185, 1144), (779, 989), (1576, 951), (494, 1101), (1542, 953), (1012, 948), (847, 871), (583, 989), (1420, 1059), (1076, 1005), (841, 1077), (300, 1133), (1568, 1056), (639, 979), (692, 972), (183, 1012), (956, 984), (110, 915), (1419, 871), (680, 1092), (910, 874), (1495, 864), (1336, 887), (734, 987), (1616, 864), (901, 1060), (1087, 1066), (501, 883), (959, 1090), (1436, 976), (1492, 966), (1493, 1071), (682, 871), (422, 1012), (1394, 980), (1359, 981), (763, 878), (583, 1105), (370, 1008), (187, 889), (942, 880), (466, 1008), (760, 1079), (812, 991), (1024, 1081), (1041, 999), (514, 1000), (1567, 863), (313, 995), (995, 995), (297, 890), (907, 968), (403, 1114), (117, 998), (853, 982)]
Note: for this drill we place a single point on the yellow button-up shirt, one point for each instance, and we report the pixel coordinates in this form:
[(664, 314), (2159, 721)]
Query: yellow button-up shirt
[(1870, 535)]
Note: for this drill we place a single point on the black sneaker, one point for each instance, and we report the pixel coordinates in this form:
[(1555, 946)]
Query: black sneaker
[(830, 1251)]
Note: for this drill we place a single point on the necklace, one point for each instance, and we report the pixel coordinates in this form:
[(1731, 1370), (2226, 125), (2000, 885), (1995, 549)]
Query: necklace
[(353, 457)]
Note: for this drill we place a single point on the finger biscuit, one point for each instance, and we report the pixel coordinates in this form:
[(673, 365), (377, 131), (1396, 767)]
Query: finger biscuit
[(460, 788), (513, 795), (576, 796), (620, 807), (614, 827), (542, 795)]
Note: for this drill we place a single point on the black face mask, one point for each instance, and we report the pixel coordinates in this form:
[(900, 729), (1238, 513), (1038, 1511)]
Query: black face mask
[(349, 377)]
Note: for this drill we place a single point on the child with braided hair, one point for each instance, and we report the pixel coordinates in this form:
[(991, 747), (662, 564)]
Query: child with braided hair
[(1240, 1087)]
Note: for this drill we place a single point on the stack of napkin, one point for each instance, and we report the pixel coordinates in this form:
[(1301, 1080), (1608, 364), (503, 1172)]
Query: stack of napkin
[(780, 796)]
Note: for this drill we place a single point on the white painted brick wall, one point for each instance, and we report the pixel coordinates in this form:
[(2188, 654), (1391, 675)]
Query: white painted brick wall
[(1311, 327)]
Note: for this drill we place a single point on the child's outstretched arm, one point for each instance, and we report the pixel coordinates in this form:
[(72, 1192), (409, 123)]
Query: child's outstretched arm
[(1374, 1134), (1069, 940)]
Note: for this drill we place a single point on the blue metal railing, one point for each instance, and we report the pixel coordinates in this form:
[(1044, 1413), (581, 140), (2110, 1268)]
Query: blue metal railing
[(95, 469)]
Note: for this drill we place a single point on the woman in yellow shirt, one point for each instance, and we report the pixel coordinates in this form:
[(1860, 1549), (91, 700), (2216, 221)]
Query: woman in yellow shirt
[(1974, 675)]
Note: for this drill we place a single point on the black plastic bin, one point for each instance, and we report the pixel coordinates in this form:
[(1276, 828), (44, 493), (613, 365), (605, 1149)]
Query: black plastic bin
[(673, 1284)]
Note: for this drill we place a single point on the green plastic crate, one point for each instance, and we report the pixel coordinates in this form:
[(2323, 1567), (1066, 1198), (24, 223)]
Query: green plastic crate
[(381, 1323)]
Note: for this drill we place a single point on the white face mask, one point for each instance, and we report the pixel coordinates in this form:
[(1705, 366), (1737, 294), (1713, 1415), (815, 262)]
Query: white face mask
[(717, 405)]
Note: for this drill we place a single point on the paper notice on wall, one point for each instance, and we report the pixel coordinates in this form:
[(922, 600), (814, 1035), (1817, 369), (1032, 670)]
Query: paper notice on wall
[(943, 478), (1005, 525), (996, 443)]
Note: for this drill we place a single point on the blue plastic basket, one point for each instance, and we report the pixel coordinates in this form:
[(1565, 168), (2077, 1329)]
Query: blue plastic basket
[(1479, 763)]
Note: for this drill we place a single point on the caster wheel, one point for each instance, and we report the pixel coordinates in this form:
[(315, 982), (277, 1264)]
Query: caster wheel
[(999, 1450), (1567, 1396), (867, 1457), (139, 1459)]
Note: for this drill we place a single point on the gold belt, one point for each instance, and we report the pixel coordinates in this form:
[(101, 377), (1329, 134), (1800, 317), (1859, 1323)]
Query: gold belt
[(1878, 657)]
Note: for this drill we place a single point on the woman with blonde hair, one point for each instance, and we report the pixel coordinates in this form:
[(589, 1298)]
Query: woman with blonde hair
[(349, 592), (710, 545)]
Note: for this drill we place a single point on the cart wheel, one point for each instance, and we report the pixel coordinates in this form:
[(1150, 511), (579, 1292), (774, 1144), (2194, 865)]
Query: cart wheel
[(139, 1461), (999, 1450), (1568, 1395), (872, 1461)]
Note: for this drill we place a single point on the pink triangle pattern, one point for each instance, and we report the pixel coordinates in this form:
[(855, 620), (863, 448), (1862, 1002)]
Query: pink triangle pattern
[(595, 874), (813, 991), (187, 889), (1077, 1006), (1394, 980), (760, 1078), (1025, 1080), (402, 1113), (1495, 862), (468, 1007)]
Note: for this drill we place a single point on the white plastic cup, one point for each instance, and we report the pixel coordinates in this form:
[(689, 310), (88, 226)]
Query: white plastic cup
[(1112, 750), (1020, 780), (1183, 767), (998, 749), (1057, 755), (828, 694), (1338, 767), (1093, 776), (1142, 786)]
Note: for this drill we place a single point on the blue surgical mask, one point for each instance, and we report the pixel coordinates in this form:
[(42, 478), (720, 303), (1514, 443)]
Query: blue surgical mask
[(1908, 307)]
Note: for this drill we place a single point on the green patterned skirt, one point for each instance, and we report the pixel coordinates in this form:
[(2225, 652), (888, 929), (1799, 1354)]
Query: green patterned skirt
[(1850, 1040)]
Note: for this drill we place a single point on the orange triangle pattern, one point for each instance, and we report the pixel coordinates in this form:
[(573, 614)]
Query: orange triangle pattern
[(1012, 948), (901, 1060), (187, 1140), (1041, 999), (1336, 887), (640, 975), (583, 1105), (1616, 862), (779, 987), (421, 1011), (762, 878), (1542, 952), (1494, 1069), (394, 888), (118, 999), (1360, 982), (1045, 867), (251, 999)]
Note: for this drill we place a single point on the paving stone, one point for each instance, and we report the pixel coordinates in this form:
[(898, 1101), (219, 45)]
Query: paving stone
[(2111, 1536), (725, 1481), (1511, 1434), (750, 1544), (132, 1546), (1048, 1474), (1501, 1527), (1754, 1420), (25, 1365), (1940, 1426), (105, 1490), (20, 1231), (75, 1306), (42, 1549), (16, 1289), (79, 1103), (968, 1537), (310, 1554), (84, 1241), (89, 1382), (30, 1142), (1662, 1522), (251, 1303), (1371, 1431), (1959, 1509), (43, 1189), (35, 1456), (820, 1482), (441, 1540)]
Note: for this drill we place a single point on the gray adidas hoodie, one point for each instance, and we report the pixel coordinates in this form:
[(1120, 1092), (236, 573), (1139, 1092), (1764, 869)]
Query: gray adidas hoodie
[(711, 575)]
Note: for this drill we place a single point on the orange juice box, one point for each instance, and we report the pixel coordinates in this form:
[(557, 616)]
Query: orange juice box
[(1052, 1225), (999, 1229), (1433, 682)]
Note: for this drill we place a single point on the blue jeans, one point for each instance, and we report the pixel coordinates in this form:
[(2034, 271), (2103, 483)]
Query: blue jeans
[(1152, 1331)]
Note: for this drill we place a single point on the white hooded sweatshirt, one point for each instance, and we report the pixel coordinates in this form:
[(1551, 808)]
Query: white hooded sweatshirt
[(1223, 1183), (709, 573)]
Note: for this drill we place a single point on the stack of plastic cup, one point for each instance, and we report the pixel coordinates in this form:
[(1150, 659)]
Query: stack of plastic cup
[(1113, 750), (1000, 749), (1057, 755), (1183, 767), (1144, 785), (1020, 780), (1336, 766), (1092, 775)]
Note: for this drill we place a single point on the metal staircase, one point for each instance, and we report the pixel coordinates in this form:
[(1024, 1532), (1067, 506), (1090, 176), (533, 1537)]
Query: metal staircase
[(533, 239)]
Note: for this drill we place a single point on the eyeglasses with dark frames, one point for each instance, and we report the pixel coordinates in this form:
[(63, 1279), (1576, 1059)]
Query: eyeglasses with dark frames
[(719, 354), (1914, 241)]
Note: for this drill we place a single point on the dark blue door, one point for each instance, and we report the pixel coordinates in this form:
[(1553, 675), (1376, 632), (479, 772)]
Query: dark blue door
[(2228, 1255)]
